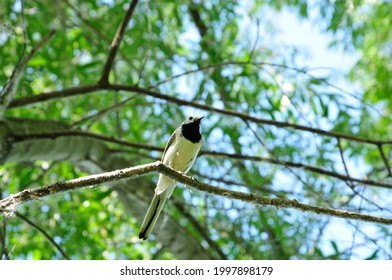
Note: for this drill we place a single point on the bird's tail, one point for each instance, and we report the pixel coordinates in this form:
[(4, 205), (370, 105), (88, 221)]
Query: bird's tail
[(152, 215)]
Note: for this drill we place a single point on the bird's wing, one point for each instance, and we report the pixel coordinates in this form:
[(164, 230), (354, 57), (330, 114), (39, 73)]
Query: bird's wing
[(164, 182), (169, 143), (189, 164)]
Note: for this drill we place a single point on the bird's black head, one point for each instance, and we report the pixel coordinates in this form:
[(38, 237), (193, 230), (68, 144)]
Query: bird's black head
[(190, 129)]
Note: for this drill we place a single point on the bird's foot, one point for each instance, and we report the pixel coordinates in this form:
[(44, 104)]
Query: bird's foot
[(194, 179)]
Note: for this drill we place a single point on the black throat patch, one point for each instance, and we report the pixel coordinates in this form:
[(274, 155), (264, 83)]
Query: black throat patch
[(191, 131)]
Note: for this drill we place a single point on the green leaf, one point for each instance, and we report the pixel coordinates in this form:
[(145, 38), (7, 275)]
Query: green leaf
[(373, 256)]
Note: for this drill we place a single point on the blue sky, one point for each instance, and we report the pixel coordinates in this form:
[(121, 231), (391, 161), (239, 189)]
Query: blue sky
[(305, 34)]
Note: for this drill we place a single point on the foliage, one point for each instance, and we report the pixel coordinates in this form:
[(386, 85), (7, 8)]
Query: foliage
[(222, 54)]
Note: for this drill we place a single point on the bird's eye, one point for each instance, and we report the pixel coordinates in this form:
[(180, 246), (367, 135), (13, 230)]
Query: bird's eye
[(190, 118)]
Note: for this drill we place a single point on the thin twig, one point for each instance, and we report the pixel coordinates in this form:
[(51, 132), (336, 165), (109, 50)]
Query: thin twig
[(350, 250), (87, 22), (349, 183), (200, 229), (103, 38), (374, 241), (40, 44), (104, 111), (13, 81), (304, 71), (116, 43), (147, 43), (277, 83), (200, 25), (271, 153), (51, 240), (7, 93), (385, 160), (256, 40)]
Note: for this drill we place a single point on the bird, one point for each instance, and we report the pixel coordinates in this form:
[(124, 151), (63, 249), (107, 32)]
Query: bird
[(180, 153)]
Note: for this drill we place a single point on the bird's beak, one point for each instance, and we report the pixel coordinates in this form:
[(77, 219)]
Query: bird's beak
[(199, 119)]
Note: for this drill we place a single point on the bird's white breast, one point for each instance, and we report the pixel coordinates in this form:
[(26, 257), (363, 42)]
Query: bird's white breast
[(180, 156)]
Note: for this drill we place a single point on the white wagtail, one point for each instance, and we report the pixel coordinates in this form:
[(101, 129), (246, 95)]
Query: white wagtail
[(180, 153)]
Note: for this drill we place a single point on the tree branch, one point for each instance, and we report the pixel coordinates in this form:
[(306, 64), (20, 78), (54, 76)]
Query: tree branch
[(51, 240), (86, 21), (276, 161), (104, 111), (349, 183), (7, 94), (301, 166), (8, 205), (147, 91), (384, 159), (3, 232), (116, 43), (40, 44), (202, 231), (72, 91), (245, 116), (56, 134)]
